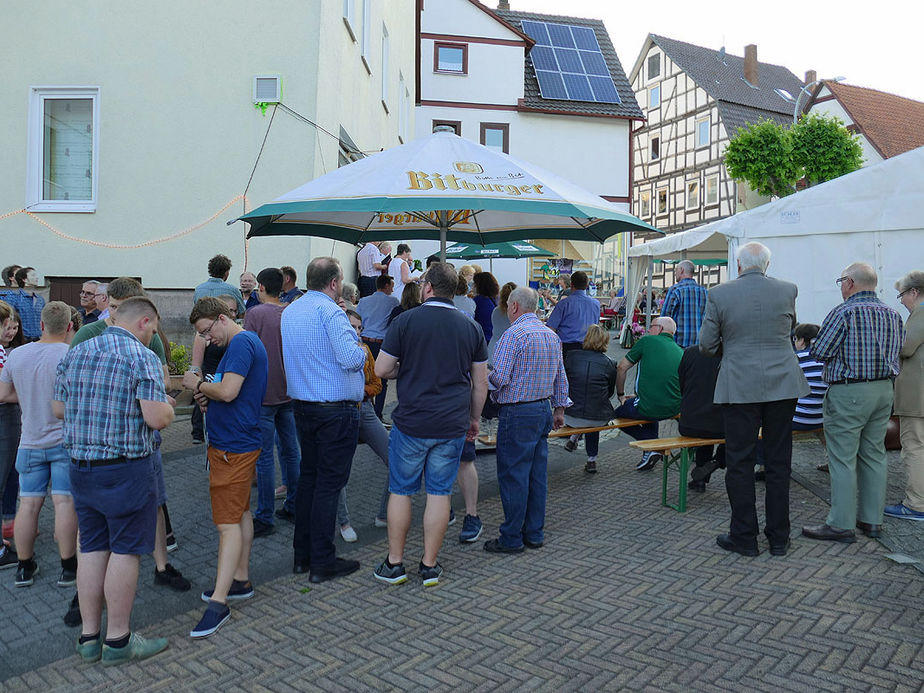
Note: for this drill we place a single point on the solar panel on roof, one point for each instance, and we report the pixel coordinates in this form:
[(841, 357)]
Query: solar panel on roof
[(569, 64)]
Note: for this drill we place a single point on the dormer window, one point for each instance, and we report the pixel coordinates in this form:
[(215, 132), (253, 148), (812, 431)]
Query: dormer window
[(654, 66)]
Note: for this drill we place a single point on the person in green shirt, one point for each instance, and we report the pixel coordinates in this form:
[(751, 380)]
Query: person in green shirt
[(657, 384)]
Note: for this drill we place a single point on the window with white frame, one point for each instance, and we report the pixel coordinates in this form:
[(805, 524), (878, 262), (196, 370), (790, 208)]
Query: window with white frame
[(385, 67), (702, 132), (654, 66), (644, 205), (63, 149), (692, 194), (349, 17), (662, 201), (712, 190), (655, 148), (654, 96), (366, 46)]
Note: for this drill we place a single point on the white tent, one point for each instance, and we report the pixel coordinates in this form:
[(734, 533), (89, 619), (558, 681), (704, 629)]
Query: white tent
[(875, 215)]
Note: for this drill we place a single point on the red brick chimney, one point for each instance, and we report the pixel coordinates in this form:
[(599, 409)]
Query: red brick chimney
[(810, 76), (750, 64)]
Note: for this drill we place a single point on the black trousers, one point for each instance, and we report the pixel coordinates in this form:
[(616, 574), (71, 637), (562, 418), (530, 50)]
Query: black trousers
[(742, 425), (705, 453), (366, 286)]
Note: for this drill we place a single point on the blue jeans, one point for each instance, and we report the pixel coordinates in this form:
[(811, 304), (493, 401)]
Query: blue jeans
[(277, 422), (522, 470), (410, 458), (629, 410), (328, 437)]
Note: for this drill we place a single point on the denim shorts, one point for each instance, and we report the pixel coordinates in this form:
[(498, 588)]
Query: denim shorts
[(37, 467), (116, 506), (409, 458), (160, 489)]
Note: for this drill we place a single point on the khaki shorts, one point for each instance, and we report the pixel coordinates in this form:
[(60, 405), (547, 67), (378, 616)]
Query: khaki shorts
[(230, 478)]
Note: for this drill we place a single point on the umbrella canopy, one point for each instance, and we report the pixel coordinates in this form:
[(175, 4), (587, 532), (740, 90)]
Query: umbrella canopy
[(507, 249), (441, 187)]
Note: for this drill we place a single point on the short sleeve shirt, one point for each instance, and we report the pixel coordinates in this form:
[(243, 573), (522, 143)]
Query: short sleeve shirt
[(235, 426), (657, 384), (436, 346), (95, 329), (31, 369), (264, 320)]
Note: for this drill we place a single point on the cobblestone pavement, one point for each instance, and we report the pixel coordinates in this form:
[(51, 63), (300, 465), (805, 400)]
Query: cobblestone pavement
[(626, 594)]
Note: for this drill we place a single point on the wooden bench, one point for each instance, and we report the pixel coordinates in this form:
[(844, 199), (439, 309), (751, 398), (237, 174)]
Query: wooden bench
[(681, 458), (676, 451), (567, 431)]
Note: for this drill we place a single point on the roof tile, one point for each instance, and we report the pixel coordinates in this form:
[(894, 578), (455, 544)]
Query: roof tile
[(893, 124)]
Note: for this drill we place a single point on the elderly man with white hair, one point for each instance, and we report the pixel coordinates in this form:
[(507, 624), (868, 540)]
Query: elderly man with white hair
[(859, 343), (657, 384), (748, 323), (685, 302)]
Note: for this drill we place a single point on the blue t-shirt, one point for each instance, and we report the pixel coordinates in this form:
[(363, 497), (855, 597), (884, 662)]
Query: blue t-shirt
[(235, 426)]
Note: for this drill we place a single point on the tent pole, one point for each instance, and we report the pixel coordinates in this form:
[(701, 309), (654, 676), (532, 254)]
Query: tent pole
[(443, 218), (648, 301)]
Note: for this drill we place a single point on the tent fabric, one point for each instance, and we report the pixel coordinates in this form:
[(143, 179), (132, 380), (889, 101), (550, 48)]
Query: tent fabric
[(874, 215)]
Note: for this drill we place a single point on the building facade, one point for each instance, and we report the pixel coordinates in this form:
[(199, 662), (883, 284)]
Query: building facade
[(144, 130), (477, 73)]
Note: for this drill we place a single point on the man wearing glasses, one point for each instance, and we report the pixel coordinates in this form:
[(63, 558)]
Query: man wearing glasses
[(89, 311), (859, 344)]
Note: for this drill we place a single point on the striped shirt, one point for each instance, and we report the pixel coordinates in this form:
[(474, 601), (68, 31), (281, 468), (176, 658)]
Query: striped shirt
[(367, 258), (321, 351), (809, 408), (859, 339), (29, 306), (528, 364), (685, 302), (101, 382)]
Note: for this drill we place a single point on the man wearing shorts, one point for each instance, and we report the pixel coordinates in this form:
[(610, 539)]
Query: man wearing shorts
[(233, 400), (29, 378), (110, 393), (440, 359)]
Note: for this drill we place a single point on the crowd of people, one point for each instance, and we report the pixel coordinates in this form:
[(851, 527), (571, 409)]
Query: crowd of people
[(305, 373)]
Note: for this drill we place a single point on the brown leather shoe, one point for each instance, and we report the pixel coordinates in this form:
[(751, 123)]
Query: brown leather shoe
[(827, 533), (872, 531)]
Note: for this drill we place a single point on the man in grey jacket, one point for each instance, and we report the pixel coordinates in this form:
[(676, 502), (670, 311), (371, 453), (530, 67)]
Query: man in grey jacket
[(748, 323)]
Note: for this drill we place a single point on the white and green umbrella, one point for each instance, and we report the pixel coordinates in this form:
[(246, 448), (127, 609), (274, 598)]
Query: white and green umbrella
[(441, 187), (505, 249)]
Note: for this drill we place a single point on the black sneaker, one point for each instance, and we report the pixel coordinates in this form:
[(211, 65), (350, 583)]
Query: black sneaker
[(648, 461), (8, 557), (68, 578), (591, 467), (262, 529), (238, 592), (72, 618), (287, 515), (471, 529), (25, 574), (393, 575), (171, 543), (430, 576), (172, 578)]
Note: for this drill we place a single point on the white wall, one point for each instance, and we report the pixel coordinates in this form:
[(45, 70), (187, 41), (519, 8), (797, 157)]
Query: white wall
[(179, 133), (834, 108)]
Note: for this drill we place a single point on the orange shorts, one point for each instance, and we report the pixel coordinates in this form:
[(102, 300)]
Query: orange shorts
[(230, 478)]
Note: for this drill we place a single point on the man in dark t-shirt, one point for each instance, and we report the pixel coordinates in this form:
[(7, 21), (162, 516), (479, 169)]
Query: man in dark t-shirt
[(439, 358)]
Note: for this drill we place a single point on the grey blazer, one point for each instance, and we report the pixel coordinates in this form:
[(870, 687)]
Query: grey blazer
[(748, 323)]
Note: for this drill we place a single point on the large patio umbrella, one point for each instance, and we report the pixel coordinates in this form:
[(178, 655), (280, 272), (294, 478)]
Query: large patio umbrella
[(440, 187), (506, 249)]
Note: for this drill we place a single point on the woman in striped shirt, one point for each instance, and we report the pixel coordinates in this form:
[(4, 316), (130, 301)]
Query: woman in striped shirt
[(809, 416)]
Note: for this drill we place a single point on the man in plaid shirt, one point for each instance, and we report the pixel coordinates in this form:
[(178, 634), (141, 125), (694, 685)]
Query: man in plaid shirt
[(528, 372), (685, 302), (859, 343)]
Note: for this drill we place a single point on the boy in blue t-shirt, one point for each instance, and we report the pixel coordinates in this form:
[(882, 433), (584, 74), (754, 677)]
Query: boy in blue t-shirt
[(233, 401)]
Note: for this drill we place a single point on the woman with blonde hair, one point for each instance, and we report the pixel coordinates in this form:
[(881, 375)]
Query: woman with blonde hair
[(591, 385)]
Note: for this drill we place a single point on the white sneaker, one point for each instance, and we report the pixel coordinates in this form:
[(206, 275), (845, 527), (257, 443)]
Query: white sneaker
[(348, 534), (648, 461), (380, 522)]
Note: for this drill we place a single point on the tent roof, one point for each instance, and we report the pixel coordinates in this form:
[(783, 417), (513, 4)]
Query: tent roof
[(886, 196)]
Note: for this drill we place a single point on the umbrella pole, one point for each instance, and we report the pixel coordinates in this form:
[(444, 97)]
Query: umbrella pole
[(648, 301), (443, 218)]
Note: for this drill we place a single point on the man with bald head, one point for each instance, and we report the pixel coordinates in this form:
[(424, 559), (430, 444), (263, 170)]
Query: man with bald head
[(685, 302), (859, 344), (657, 384), (748, 323)]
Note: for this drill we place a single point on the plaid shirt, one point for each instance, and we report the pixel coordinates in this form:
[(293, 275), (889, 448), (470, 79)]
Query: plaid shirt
[(859, 339), (685, 302), (101, 382), (528, 364), (29, 306)]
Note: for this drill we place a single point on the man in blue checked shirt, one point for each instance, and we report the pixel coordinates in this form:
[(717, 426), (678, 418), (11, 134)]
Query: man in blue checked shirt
[(532, 391), (685, 302), (324, 377), (859, 344), (110, 393), (574, 314)]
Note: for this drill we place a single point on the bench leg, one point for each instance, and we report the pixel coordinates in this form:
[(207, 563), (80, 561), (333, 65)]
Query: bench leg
[(682, 460), (684, 474)]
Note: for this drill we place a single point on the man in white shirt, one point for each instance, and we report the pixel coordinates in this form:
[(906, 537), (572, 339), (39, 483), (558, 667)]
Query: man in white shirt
[(370, 264)]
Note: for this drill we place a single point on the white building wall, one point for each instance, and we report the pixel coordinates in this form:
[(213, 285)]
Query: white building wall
[(495, 75), (179, 133), (834, 108)]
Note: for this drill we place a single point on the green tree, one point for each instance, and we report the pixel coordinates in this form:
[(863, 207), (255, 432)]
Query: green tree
[(772, 158)]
